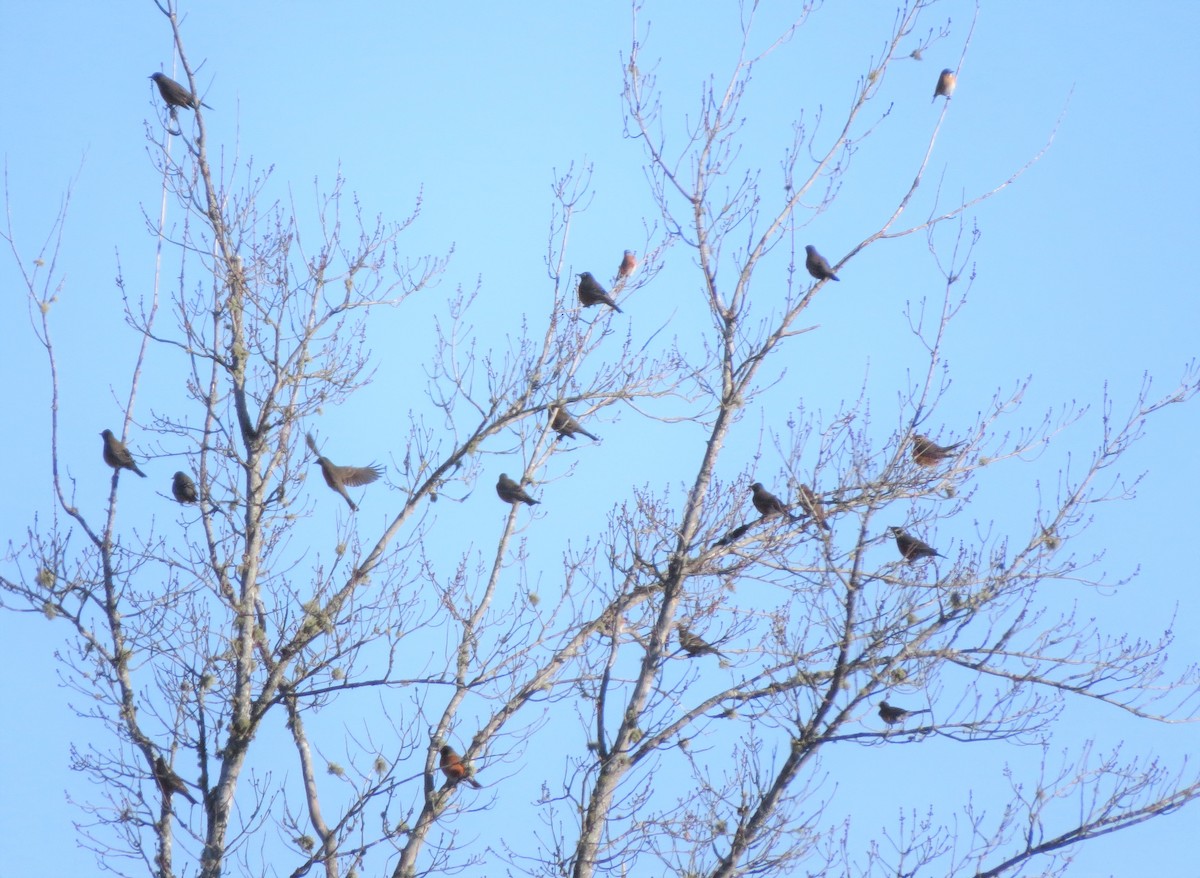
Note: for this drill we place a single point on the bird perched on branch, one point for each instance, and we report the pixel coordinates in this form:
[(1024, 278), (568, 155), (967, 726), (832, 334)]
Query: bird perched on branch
[(911, 548), (452, 766), (767, 503), (511, 492), (891, 714), (184, 488), (341, 477), (175, 94), (117, 455), (945, 86), (591, 293), (812, 504), (928, 453), (694, 645), (169, 782), (628, 266), (818, 265), (566, 426), (736, 534)]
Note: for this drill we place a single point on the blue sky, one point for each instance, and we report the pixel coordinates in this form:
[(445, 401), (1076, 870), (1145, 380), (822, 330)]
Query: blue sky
[(1085, 276)]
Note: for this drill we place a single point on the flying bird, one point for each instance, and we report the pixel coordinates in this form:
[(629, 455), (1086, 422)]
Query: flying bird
[(452, 766), (591, 293), (694, 645), (767, 503), (175, 94), (812, 504), (341, 477), (184, 488), (928, 453), (945, 87), (891, 714), (911, 548), (628, 266), (511, 492), (169, 782), (117, 455), (566, 426), (818, 265)]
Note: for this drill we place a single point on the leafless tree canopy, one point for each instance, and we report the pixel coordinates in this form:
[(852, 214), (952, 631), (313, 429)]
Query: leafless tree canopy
[(277, 705)]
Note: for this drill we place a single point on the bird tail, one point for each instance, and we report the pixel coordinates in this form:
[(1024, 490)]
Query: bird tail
[(138, 471), (311, 444)]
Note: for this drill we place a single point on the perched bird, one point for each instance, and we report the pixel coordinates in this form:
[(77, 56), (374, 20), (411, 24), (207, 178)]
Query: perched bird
[(169, 782), (892, 715), (566, 426), (736, 534), (694, 645), (945, 87), (911, 548), (812, 504), (341, 477), (591, 293), (928, 453), (767, 503), (818, 265), (184, 488), (175, 94), (117, 455), (511, 492), (628, 266), (452, 766)]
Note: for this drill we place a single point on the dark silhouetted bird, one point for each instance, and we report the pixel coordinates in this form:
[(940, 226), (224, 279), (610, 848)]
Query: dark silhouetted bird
[(628, 266), (928, 453), (767, 503), (452, 766), (736, 534), (694, 645), (892, 715), (117, 455), (945, 87), (591, 293), (341, 477), (511, 492), (818, 265), (184, 488), (564, 425), (812, 504), (175, 94), (911, 548), (169, 782)]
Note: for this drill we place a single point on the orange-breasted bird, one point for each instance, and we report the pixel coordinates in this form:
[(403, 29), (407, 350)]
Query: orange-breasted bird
[(818, 265), (911, 548), (452, 766), (812, 504), (117, 455), (591, 293), (926, 452), (628, 266), (946, 82), (341, 477), (510, 492)]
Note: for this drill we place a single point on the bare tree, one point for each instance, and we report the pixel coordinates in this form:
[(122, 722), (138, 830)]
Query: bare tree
[(736, 642)]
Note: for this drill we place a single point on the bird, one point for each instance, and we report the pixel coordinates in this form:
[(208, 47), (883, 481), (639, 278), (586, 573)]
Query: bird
[(175, 94), (169, 782), (694, 645), (928, 453), (629, 264), (911, 548), (946, 82), (511, 492), (566, 426), (341, 477), (452, 766), (891, 714), (767, 503), (812, 504), (736, 534), (117, 455), (184, 488), (818, 265), (591, 293)]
